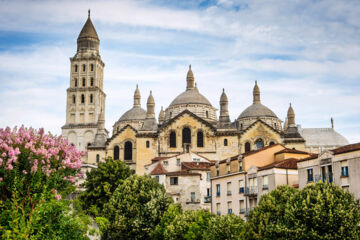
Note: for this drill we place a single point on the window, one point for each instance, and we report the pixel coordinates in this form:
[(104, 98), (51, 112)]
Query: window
[(116, 152), (208, 192), (241, 126), (186, 135), (247, 147), (240, 166), (241, 186), (128, 151), (265, 182), (84, 82), (76, 83), (208, 176), (259, 143), (192, 194), (84, 67), (92, 67), (92, 82), (200, 139), (178, 162), (310, 176), (173, 140), (228, 188), (229, 205), (76, 67), (242, 206), (173, 180), (147, 144), (73, 99), (207, 114), (170, 114), (97, 158), (344, 169), (271, 143), (165, 163), (218, 211), (157, 178), (91, 98), (82, 98), (196, 159), (225, 142), (218, 190), (217, 172), (228, 168)]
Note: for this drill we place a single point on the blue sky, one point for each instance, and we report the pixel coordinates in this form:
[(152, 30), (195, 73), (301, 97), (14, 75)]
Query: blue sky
[(306, 52)]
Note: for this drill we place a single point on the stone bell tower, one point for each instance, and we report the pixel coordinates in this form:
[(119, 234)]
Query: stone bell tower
[(85, 101)]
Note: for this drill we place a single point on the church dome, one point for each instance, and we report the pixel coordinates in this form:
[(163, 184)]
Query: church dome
[(257, 110), (191, 96), (136, 113)]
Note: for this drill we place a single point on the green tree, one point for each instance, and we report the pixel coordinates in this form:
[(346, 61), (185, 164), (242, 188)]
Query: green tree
[(320, 211), (136, 207), (189, 225), (227, 227), (101, 183), (172, 212)]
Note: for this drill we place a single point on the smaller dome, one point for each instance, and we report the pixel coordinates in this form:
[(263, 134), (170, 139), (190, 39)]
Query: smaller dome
[(223, 97), (136, 113), (257, 110), (88, 30), (190, 97)]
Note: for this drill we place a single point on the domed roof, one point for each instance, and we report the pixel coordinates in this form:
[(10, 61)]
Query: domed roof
[(88, 31), (323, 137), (257, 110), (136, 113), (191, 96)]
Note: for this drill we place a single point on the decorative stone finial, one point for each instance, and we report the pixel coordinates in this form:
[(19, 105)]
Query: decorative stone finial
[(256, 94), (137, 97), (150, 106), (332, 123), (190, 79), (89, 12), (161, 115), (291, 116)]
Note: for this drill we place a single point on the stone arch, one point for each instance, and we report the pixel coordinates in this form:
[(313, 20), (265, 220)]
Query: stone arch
[(200, 139), (186, 135), (72, 138), (172, 139), (128, 150), (247, 147), (259, 143), (116, 152), (225, 142)]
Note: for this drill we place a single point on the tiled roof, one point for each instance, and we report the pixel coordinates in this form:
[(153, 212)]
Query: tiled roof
[(288, 150), (158, 170), (182, 173), (289, 163), (347, 148), (195, 166), (156, 159), (313, 156)]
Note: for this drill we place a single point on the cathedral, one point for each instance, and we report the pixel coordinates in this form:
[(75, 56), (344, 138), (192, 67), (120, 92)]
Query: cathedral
[(189, 124)]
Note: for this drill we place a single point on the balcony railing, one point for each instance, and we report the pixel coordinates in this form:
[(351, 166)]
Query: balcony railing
[(192, 201), (207, 199), (242, 210), (251, 191), (229, 193), (328, 177), (265, 187)]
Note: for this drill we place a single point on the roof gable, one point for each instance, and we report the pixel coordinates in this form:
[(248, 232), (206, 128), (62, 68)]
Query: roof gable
[(263, 123), (158, 170), (119, 132)]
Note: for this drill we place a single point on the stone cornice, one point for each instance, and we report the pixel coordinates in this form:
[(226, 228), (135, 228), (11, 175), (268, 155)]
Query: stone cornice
[(84, 89), (74, 126)]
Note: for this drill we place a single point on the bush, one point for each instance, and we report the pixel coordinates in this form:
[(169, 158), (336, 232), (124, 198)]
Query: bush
[(135, 208)]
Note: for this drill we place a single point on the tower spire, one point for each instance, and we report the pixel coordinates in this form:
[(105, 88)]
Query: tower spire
[(256, 94), (224, 112), (161, 115), (137, 97), (89, 13), (150, 106), (189, 79), (291, 116)]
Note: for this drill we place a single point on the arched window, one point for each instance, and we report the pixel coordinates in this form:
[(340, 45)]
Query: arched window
[(173, 140), (200, 139), (271, 143), (84, 67), (73, 99), (247, 147), (225, 142), (128, 151), (92, 67), (75, 82), (147, 144), (259, 143), (170, 114), (92, 81), (241, 126), (116, 152), (186, 135), (76, 67), (207, 114), (97, 158), (84, 82), (82, 98), (91, 98)]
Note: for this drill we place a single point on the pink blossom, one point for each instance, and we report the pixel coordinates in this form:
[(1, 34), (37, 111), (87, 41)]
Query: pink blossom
[(58, 197)]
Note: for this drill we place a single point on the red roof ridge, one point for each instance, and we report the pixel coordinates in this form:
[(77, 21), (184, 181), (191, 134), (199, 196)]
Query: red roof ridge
[(347, 148), (288, 150), (158, 170)]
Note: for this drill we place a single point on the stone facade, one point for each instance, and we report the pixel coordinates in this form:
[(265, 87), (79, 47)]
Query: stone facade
[(186, 178), (238, 182), (340, 166)]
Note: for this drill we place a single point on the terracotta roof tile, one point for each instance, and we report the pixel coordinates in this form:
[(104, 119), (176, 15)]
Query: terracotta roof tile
[(195, 166), (158, 170), (347, 148), (289, 163), (156, 159), (313, 156), (288, 150), (182, 173)]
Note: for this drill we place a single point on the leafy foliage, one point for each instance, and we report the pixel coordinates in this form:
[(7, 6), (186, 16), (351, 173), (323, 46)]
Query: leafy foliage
[(101, 183), (225, 227), (320, 211), (136, 207)]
